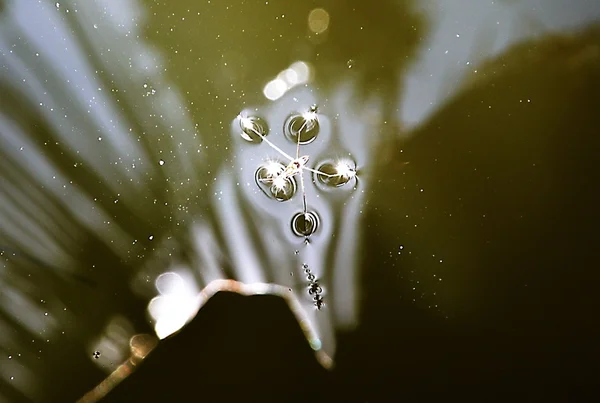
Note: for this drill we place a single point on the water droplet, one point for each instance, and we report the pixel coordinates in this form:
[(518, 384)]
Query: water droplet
[(252, 128), (310, 277), (305, 224), (350, 63), (161, 162), (336, 174), (296, 252), (305, 125), (305, 266), (151, 237), (274, 185)]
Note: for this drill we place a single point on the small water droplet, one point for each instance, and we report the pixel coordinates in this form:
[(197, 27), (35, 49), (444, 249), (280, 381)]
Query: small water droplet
[(305, 224), (336, 174), (151, 237), (161, 162), (252, 128), (274, 185), (305, 125)]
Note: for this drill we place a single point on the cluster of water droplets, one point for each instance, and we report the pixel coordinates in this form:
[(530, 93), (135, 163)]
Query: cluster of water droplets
[(314, 288), (277, 177)]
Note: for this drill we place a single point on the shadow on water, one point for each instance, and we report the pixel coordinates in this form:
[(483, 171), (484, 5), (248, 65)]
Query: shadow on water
[(479, 274), (477, 230)]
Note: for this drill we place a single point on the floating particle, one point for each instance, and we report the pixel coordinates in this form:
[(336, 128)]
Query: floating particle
[(96, 354), (161, 162)]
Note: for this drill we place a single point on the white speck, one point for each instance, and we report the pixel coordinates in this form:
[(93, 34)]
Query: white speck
[(161, 162), (95, 26), (151, 237), (45, 313), (457, 35), (99, 138), (57, 5)]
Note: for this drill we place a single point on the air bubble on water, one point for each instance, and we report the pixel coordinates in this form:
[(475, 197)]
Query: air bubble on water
[(305, 266)]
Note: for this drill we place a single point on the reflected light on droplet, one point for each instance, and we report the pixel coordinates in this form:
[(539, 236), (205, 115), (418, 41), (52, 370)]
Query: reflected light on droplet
[(275, 89), (318, 20), (298, 73), (273, 168), (177, 303), (344, 168), (302, 71), (169, 283), (289, 76), (246, 122)]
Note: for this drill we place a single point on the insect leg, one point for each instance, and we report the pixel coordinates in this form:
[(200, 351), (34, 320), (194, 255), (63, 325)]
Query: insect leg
[(279, 150)]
